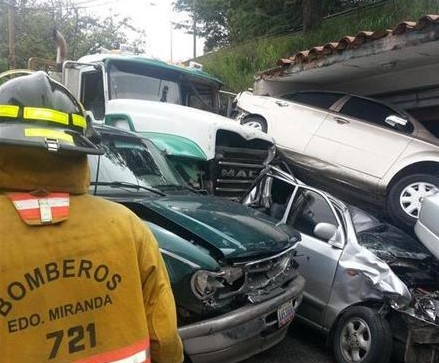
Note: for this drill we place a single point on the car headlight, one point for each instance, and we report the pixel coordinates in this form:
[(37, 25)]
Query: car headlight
[(205, 283)]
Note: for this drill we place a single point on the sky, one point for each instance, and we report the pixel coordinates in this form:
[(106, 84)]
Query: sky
[(155, 17)]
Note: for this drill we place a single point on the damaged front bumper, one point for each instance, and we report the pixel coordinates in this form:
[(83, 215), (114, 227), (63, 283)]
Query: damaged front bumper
[(416, 340), (241, 333)]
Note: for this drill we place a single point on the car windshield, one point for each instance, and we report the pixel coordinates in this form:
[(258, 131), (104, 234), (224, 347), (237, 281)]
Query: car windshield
[(134, 161), (385, 240), (129, 80)]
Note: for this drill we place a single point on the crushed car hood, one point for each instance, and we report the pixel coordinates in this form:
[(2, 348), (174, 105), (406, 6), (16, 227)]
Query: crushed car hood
[(235, 230), (390, 244), (361, 270)]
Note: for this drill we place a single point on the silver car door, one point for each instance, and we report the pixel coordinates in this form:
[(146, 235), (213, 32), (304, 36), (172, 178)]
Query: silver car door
[(319, 257), (357, 143)]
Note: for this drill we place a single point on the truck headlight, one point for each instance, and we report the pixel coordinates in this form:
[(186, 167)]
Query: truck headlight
[(205, 284)]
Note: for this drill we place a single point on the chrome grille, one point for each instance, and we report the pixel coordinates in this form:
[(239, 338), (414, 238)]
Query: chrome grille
[(266, 277), (235, 169)]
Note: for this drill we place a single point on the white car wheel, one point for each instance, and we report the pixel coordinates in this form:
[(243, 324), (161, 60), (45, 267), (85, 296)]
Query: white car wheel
[(405, 197), (255, 122), (412, 196), (256, 125)]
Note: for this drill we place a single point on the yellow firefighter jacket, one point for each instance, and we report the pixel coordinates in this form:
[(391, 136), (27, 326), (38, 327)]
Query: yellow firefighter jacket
[(90, 286)]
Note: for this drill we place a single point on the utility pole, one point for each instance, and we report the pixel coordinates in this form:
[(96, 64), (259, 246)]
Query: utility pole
[(171, 40), (11, 34), (194, 26)]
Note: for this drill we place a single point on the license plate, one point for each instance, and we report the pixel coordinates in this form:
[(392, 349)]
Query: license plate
[(285, 313)]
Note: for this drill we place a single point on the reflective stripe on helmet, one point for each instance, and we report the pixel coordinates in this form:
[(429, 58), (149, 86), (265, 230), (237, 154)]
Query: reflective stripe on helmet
[(43, 114), (53, 134), (78, 120), (40, 102), (136, 353), (9, 111)]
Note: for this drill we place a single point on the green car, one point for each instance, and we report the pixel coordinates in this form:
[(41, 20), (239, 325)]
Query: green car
[(232, 268)]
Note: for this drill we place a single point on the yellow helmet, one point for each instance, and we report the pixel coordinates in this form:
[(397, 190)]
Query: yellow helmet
[(37, 111)]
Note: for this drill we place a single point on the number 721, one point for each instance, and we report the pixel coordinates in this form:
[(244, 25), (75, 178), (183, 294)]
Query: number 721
[(78, 339)]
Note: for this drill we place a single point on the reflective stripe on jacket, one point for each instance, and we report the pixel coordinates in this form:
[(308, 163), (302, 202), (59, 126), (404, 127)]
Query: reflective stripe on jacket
[(136, 353)]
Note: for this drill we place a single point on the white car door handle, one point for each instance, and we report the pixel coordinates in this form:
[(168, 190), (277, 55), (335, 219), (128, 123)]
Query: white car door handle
[(341, 121), (281, 104)]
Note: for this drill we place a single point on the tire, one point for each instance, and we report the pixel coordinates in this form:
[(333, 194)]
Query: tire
[(256, 122), (405, 197), (362, 336)]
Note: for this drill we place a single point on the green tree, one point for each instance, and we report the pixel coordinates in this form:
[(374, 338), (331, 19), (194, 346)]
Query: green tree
[(225, 22), (211, 18), (84, 33)]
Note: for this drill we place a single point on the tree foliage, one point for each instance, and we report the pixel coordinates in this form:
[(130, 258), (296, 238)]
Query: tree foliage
[(84, 33), (226, 22)]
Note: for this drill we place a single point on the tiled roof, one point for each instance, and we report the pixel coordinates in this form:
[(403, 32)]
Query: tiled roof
[(350, 42)]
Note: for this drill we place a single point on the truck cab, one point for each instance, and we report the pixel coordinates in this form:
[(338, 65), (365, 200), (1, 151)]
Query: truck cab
[(126, 76), (177, 107)]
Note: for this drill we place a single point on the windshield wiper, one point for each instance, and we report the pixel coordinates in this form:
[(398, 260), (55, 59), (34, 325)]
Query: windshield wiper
[(181, 187), (118, 184)]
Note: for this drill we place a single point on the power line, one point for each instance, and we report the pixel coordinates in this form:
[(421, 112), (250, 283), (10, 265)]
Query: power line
[(44, 7), (95, 5)]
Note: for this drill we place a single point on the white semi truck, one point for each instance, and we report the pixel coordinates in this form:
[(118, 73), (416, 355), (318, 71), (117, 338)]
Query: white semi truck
[(176, 107)]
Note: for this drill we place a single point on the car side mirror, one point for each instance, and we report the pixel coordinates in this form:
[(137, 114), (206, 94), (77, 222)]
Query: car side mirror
[(394, 121), (325, 231)]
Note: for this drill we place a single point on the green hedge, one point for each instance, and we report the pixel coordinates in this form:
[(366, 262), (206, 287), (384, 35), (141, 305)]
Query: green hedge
[(237, 65)]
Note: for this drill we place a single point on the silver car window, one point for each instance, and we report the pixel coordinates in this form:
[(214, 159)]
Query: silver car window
[(373, 112), (318, 99), (308, 209)]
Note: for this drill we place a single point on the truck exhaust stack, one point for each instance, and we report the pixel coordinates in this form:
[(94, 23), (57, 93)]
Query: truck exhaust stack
[(61, 49)]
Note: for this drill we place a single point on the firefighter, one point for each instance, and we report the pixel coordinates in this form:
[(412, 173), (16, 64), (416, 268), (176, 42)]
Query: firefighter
[(81, 278)]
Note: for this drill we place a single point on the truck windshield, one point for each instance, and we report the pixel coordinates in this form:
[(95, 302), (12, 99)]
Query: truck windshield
[(141, 82), (132, 161)]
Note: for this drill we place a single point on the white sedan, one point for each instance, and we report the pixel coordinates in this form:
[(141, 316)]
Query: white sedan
[(351, 145)]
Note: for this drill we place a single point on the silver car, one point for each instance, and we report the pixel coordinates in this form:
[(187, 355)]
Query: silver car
[(346, 143), (369, 285), (427, 226)]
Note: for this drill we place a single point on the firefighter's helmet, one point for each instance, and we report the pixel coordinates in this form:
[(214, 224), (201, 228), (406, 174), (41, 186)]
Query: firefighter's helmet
[(37, 111)]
